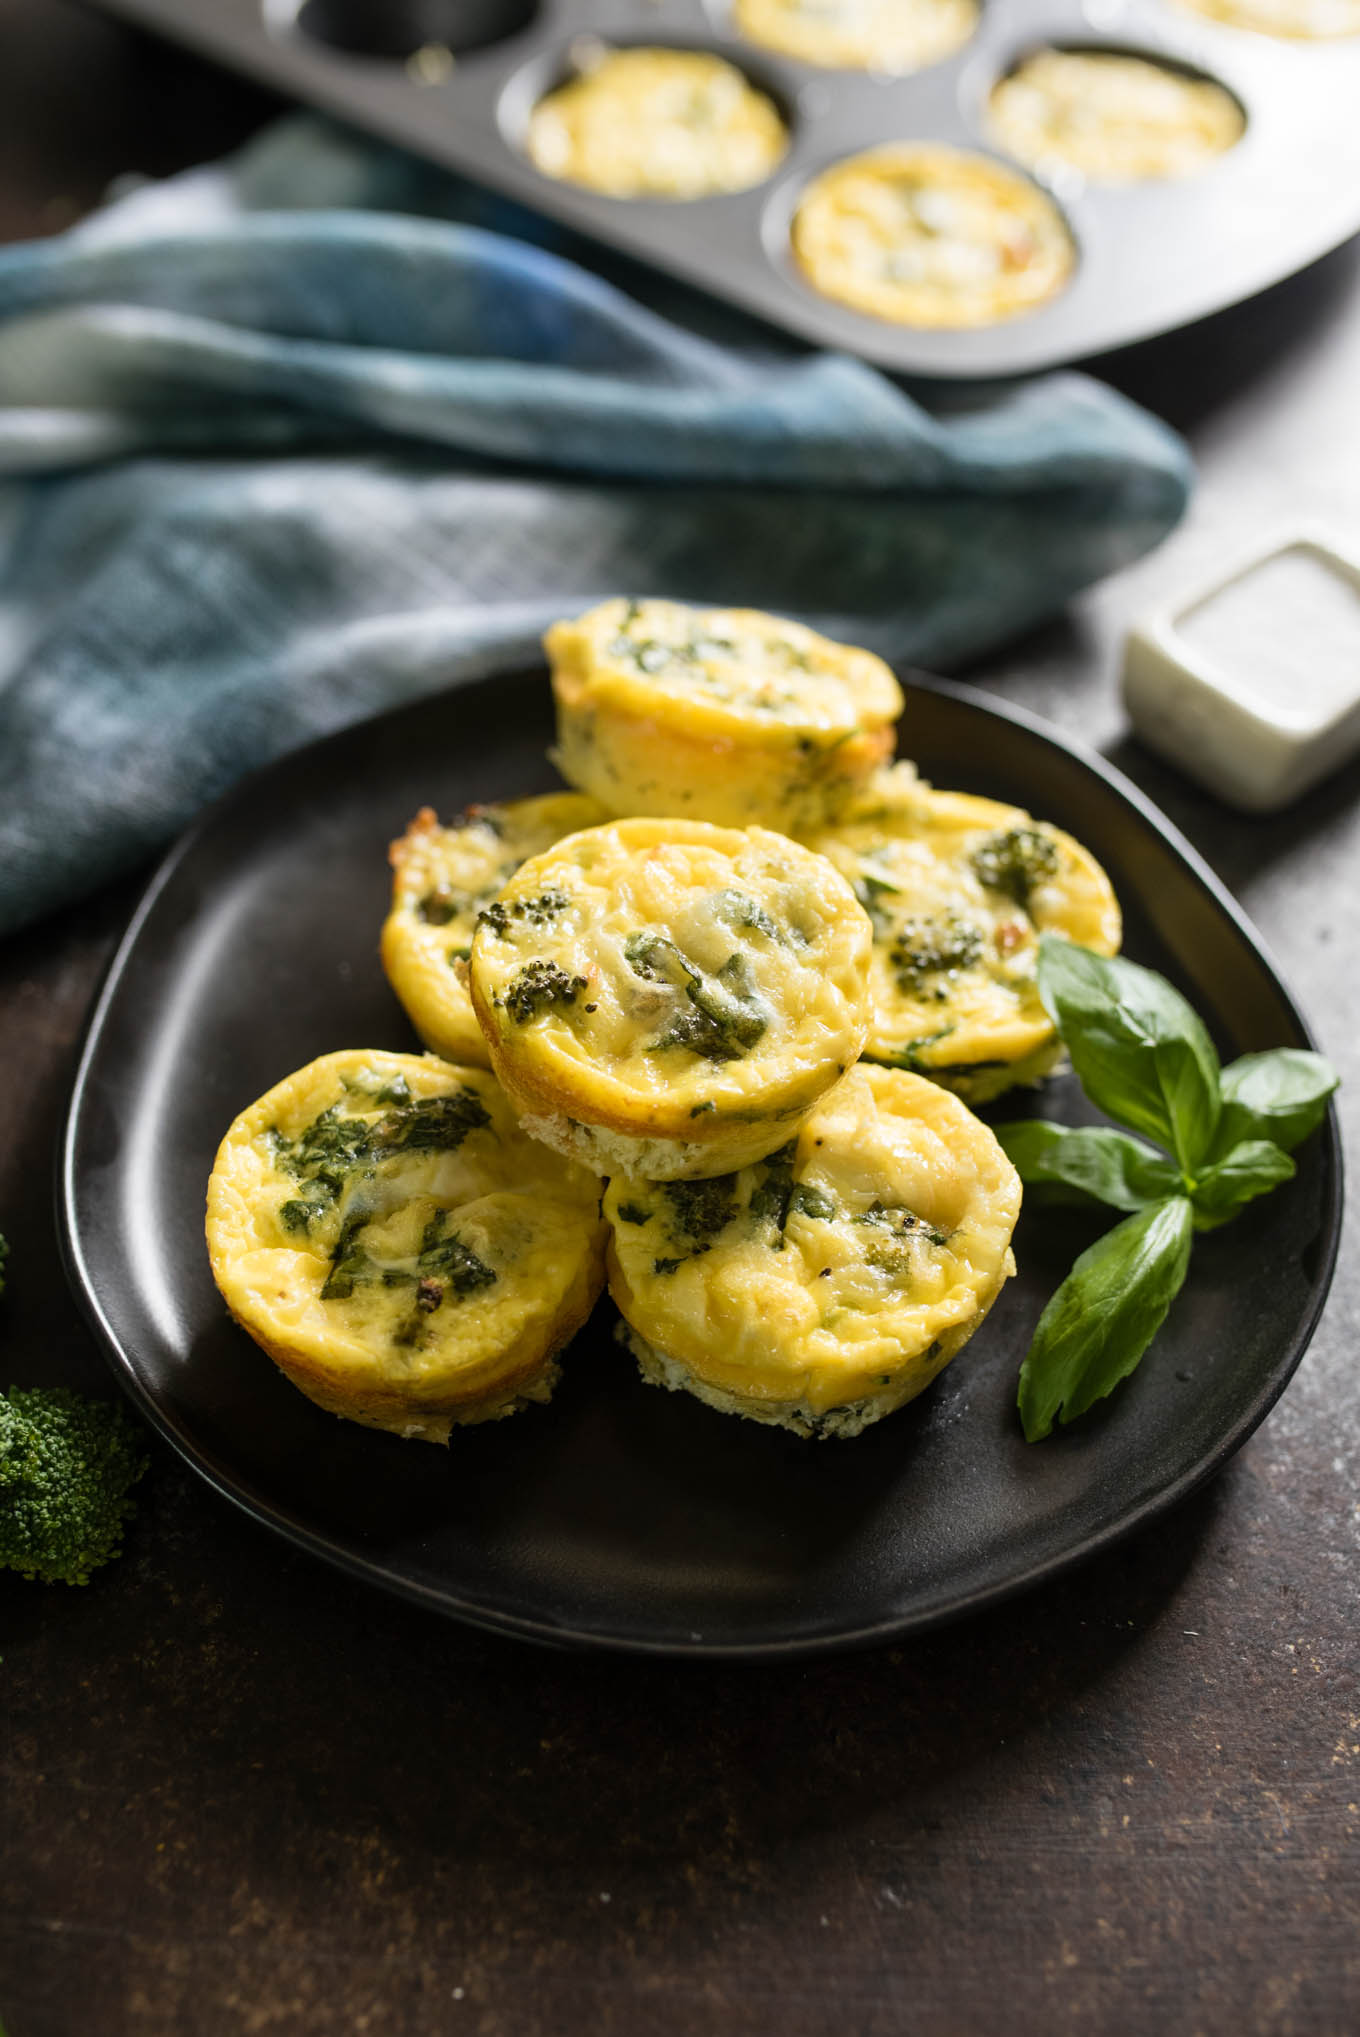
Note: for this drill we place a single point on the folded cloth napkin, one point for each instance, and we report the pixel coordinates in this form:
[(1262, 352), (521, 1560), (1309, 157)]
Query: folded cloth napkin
[(292, 439)]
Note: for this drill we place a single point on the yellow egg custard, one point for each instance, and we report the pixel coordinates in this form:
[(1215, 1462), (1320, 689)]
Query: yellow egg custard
[(825, 1286), (959, 890), (931, 236), (669, 998), (1289, 20), (864, 35), (443, 876), (657, 123), (718, 714), (1118, 119), (382, 1227)]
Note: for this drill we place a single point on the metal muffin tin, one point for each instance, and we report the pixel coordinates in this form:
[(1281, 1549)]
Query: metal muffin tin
[(1151, 256)]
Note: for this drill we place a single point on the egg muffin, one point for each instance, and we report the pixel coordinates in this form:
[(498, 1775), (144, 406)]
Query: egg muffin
[(959, 890), (657, 123), (1289, 20), (669, 998), (719, 714), (822, 1288), (381, 1226), (443, 878), (1118, 119), (931, 236), (865, 35)]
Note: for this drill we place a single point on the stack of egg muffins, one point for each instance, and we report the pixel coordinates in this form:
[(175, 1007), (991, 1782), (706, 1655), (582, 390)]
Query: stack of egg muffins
[(707, 1028)]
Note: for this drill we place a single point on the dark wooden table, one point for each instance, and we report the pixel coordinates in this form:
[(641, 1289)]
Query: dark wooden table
[(242, 1794)]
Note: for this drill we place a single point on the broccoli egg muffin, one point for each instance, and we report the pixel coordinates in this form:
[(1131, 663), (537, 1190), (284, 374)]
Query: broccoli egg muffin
[(719, 714), (669, 998), (821, 1288), (1118, 119), (959, 890), (1290, 20), (931, 236), (382, 1227), (443, 878), (866, 35), (657, 123)]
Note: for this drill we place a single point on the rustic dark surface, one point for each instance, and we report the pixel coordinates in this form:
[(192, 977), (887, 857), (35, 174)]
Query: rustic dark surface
[(241, 1794)]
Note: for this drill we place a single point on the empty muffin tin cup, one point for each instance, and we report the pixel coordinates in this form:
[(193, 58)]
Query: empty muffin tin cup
[(398, 30)]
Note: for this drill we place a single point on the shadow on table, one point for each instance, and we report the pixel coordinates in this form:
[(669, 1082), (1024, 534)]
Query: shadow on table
[(1186, 376), (314, 1708)]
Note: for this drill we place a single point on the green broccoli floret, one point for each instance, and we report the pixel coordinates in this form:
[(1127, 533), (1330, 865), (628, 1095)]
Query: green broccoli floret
[(934, 945), (537, 912), (67, 1468), (1015, 861), (538, 987)]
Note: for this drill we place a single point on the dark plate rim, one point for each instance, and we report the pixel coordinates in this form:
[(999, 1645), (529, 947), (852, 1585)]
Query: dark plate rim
[(526, 1628)]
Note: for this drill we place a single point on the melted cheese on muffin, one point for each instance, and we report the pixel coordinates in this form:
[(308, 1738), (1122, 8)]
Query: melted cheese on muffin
[(719, 714), (444, 876), (868, 35), (1290, 20), (933, 236), (668, 997), (657, 123), (385, 1231), (822, 1288), (1115, 118), (959, 890)]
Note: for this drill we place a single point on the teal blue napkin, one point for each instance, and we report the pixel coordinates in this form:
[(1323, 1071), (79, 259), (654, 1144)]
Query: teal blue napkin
[(295, 438)]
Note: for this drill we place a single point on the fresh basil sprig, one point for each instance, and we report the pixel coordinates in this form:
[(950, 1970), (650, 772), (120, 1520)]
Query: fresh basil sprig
[(1144, 1056)]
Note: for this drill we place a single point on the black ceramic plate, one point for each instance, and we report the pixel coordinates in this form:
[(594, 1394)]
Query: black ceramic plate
[(621, 1516)]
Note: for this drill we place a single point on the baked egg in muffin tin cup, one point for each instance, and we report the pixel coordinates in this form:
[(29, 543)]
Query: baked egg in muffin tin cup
[(1112, 114), (927, 234), (670, 999), (638, 121), (886, 38), (1283, 20)]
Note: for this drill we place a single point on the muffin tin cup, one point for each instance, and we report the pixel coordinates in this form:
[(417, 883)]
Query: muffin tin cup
[(400, 30), (1150, 256)]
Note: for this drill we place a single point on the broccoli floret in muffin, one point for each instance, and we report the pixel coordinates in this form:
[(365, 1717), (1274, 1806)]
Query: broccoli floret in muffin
[(1015, 861)]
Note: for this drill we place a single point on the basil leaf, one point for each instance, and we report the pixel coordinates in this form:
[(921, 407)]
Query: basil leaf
[(1106, 1313), (1106, 1164), (1252, 1168), (1139, 1050), (1280, 1096)]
